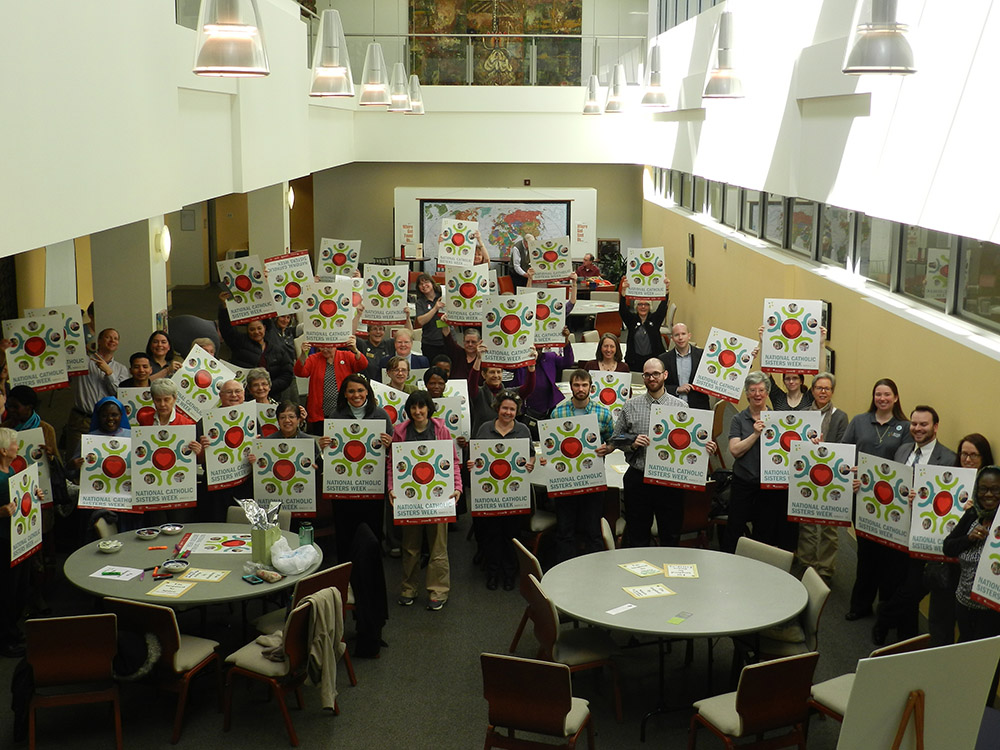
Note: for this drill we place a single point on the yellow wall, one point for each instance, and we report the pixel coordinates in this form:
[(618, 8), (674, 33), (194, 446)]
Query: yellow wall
[(84, 274), (870, 342), (300, 218), (29, 269), (232, 227)]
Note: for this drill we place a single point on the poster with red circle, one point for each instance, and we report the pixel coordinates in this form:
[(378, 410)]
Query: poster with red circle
[(164, 468), (647, 278), (385, 294), (791, 338), (781, 430), (457, 246), (106, 473), (820, 482), (37, 357), (230, 431), (329, 312), (942, 492), (570, 445), (26, 520), (724, 365), (550, 317), (250, 298), (466, 291), (499, 477), (423, 481), (354, 462), (509, 330), (285, 470), (198, 382), (74, 336), (550, 258), (677, 455), (287, 277), (882, 502), (337, 258)]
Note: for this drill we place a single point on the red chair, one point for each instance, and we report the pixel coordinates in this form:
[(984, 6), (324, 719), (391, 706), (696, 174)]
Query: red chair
[(505, 285)]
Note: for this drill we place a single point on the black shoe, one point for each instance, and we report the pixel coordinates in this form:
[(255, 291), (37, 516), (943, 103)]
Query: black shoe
[(479, 557), (492, 582), (879, 634), (12, 650), (852, 615), (508, 584)]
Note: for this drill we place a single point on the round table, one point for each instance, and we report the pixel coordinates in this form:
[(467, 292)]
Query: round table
[(135, 553), (731, 595)]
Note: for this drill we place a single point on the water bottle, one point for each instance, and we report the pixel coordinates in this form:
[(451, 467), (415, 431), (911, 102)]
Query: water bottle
[(305, 533)]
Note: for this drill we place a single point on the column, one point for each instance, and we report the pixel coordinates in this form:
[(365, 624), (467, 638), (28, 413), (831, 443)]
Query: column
[(60, 274), (267, 211), (130, 282)]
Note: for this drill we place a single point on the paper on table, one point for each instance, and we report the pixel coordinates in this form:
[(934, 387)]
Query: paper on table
[(203, 574), (619, 610), (642, 568), (648, 592), (123, 574), (680, 570), (171, 589)]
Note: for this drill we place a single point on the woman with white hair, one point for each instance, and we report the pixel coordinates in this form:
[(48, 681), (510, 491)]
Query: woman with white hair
[(164, 392)]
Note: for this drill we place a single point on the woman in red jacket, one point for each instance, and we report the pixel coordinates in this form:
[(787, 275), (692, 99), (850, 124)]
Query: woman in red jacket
[(326, 370)]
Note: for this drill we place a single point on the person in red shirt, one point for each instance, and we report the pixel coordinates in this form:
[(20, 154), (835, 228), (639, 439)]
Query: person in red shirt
[(326, 370)]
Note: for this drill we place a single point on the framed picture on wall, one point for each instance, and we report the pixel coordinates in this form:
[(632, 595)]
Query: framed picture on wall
[(827, 318), (691, 246), (608, 247), (829, 360)]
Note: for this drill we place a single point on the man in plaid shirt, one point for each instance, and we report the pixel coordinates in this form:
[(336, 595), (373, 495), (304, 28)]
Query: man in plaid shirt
[(643, 501), (581, 512)]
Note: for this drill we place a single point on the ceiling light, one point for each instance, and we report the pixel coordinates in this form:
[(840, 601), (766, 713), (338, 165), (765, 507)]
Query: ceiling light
[(654, 95), (230, 42), (416, 97), (591, 105), (881, 45), (163, 242), (374, 78), (331, 68), (724, 83), (616, 91), (399, 91)]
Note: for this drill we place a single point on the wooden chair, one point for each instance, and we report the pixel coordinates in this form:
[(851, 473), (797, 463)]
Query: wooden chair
[(71, 660), (718, 425), (532, 696), (608, 322), (282, 677), (779, 558), (579, 649), (802, 634), (181, 656), (697, 506), (338, 577), (771, 695), (830, 697), (527, 565), (505, 285)]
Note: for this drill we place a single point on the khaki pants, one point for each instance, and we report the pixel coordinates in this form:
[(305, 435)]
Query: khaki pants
[(818, 547), (438, 569)]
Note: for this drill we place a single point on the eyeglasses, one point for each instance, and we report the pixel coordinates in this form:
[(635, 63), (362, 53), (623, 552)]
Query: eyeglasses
[(995, 491), (822, 388), (651, 375), (970, 456), (231, 392)]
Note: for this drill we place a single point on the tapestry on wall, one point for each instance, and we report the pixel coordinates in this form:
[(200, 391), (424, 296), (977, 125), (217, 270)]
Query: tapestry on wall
[(500, 60)]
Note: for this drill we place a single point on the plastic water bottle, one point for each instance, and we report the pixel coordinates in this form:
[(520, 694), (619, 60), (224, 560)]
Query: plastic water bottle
[(305, 533)]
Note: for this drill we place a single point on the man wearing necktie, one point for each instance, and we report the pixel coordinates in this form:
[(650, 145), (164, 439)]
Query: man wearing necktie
[(903, 575)]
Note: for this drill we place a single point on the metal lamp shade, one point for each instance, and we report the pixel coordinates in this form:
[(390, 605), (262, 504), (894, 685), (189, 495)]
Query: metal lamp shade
[(331, 67), (654, 95), (230, 41), (616, 91), (374, 78), (591, 103), (881, 46), (724, 83)]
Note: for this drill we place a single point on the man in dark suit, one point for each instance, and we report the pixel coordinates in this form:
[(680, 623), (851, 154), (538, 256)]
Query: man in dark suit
[(681, 363), (904, 574), (403, 342)]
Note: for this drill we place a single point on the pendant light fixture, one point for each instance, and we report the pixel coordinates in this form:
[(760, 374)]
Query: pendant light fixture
[(416, 97), (654, 94), (331, 68), (616, 91), (375, 78), (724, 83), (881, 45), (399, 90), (230, 41), (591, 103)]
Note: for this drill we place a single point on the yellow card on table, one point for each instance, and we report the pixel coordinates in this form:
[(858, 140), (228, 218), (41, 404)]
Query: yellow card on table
[(680, 570), (642, 568), (171, 589), (648, 592), (203, 574)]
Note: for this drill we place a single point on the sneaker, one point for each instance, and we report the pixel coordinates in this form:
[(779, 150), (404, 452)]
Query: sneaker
[(394, 552), (435, 604), (405, 601)]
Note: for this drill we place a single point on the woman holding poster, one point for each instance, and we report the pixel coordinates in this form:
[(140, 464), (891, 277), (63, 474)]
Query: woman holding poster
[(356, 401), (420, 427), (429, 304), (966, 542), (497, 532)]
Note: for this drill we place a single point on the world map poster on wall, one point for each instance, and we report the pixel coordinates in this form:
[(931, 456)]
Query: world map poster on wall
[(503, 60), (501, 223)]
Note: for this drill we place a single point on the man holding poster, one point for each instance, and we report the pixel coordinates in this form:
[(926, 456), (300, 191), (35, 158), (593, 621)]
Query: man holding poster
[(581, 513), (643, 501)]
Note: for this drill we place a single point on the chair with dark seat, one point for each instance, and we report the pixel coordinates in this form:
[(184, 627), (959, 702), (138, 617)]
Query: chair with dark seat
[(527, 565), (830, 697), (71, 661), (282, 677), (527, 695), (771, 695), (697, 506), (338, 577), (181, 656), (579, 649)]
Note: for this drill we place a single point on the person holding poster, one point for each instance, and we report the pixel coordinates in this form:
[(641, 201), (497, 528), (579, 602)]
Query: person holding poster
[(397, 372), (880, 431), (429, 305), (766, 509), (643, 501), (903, 576), (139, 369), (164, 392), (644, 339), (326, 369), (582, 513), (966, 542), (402, 341), (356, 401), (14, 580), (681, 364), (255, 349), (519, 260), (104, 374), (161, 355), (818, 542), (421, 426), (482, 397), (495, 533), (376, 348), (608, 357), (212, 506)]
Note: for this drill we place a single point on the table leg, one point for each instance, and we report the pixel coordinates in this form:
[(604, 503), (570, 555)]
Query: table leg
[(661, 706)]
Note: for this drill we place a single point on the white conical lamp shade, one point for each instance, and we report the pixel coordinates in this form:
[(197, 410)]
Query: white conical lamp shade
[(724, 83), (616, 91), (881, 46), (331, 67), (399, 89), (374, 78), (591, 102), (416, 97), (653, 94), (230, 41)]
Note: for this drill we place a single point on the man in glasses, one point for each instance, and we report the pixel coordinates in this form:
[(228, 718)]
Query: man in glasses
[(643, 501), (901, 584)]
